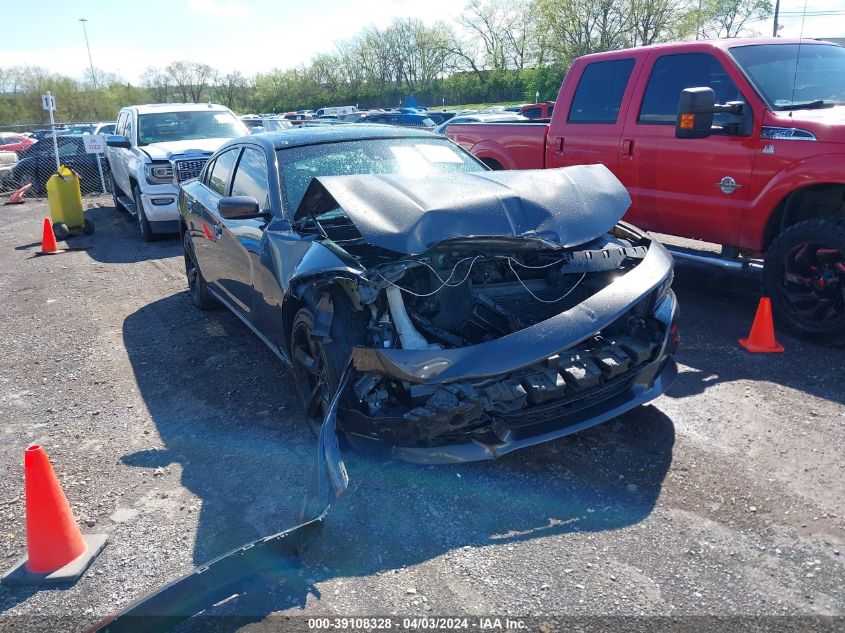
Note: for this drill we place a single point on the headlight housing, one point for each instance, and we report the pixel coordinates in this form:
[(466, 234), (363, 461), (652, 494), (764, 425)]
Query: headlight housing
[(664, 287), (160, 173)]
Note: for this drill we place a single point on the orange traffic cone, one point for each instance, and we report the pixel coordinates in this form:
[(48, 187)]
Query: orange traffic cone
[(56, 550), (16, 197), (48, 239), (762, 336)]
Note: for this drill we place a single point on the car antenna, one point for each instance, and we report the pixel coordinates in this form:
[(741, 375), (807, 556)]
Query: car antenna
[(798, 55)]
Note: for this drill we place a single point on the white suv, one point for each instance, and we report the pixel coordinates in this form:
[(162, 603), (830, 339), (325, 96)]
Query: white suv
[(155, 148)]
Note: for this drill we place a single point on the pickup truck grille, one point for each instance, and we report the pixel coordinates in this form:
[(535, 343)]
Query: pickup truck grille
[(187, 169)]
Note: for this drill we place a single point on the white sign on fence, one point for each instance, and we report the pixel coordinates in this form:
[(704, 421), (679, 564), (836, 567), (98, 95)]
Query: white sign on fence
[(48, 102), (94, 143)]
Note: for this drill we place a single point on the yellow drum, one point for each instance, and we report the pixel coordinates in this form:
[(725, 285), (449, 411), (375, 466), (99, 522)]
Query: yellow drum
[(65, 201)]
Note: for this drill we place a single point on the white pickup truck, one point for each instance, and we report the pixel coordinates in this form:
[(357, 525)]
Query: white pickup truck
[(155, 148)]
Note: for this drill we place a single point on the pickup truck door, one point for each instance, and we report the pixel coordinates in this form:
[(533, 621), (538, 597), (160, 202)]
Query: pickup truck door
[(692, 188), (590, 129), (119, 157)]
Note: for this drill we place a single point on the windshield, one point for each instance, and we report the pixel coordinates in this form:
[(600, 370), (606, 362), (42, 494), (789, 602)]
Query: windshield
[(161, 127), (788, 78), (407, 156)]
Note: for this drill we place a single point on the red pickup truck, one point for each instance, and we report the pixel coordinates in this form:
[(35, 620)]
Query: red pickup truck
[(764, 177)]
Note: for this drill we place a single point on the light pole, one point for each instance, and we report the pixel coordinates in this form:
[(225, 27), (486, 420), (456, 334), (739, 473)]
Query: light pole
[(775, 25), (85, 31)]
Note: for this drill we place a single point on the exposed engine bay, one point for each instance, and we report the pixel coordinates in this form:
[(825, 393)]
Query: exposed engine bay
[(467, 293), (488, 309)]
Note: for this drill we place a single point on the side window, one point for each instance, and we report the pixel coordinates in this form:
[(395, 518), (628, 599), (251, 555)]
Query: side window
[(531, 113), (251, 177), (221, 172), (599, 93), (68, 148), (206, 177), (672, 73), (551, 111), (127, 127), (121, 122)]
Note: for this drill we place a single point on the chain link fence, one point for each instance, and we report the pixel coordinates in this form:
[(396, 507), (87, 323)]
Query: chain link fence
[(28, 156)]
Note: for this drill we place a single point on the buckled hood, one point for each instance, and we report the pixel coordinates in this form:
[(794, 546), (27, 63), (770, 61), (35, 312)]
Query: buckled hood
[(566, 206)]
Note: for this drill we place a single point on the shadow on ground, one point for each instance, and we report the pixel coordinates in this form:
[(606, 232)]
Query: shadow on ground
[(227, 413), (117, 239), (717, 308)]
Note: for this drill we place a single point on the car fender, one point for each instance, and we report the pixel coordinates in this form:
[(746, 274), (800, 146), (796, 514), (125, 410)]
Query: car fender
[(816, 170)]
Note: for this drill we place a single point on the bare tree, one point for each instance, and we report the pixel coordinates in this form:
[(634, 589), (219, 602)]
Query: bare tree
[(658, 20), (229, 87), (731, 18), (201, 76), (156, 81), (179, 75)]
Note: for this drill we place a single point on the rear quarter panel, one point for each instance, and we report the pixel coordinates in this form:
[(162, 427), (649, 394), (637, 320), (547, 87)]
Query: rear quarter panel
[(512, 145)]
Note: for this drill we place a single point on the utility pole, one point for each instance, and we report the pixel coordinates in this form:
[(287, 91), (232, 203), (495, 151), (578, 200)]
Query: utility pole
[(85, 31), (775, 26)]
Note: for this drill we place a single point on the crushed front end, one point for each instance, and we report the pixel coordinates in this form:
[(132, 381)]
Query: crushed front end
[(480, 347)]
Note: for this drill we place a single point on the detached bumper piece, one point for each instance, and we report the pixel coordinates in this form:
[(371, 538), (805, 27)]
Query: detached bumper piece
[(534, 401)]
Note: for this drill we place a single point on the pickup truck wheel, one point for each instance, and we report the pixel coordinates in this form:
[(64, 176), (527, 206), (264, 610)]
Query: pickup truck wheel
[(197, 286), (804, 275), (143, 223)]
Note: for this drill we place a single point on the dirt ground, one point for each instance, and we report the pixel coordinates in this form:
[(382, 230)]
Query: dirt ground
[(178, 433)]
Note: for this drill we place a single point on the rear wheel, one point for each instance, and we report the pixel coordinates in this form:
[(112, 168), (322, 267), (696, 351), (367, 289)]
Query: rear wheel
[(804, 275), (200, 296)]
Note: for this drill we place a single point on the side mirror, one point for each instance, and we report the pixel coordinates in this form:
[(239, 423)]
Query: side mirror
[(240, 208), (117, 140), (695, 113)]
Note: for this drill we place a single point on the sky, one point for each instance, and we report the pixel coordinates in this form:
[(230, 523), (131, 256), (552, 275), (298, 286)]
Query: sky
[(247, 35)]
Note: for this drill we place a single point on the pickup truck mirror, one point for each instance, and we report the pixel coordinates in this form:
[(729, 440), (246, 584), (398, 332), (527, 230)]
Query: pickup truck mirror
[(696, 108), (695, 113), (240, 208), (117, 140)]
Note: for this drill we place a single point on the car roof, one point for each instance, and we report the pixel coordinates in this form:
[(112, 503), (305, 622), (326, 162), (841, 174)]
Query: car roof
[(177, 107), (299, 136)]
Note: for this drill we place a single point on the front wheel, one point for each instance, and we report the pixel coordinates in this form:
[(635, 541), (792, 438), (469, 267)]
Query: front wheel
[(804, 275), (143, 223)]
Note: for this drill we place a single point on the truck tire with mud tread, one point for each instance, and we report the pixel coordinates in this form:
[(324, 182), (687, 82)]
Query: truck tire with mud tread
[(804, 275)]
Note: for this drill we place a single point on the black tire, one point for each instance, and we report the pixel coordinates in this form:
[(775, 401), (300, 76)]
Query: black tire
[(144, 227), (804, 275), (61, 231), (317, 384), (115, 191), (197, 286), (88, 227)]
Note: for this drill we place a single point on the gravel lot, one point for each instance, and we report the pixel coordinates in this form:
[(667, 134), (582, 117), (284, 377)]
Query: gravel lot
[(179, 434)]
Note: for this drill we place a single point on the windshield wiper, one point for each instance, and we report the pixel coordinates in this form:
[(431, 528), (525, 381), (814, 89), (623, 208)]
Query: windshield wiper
[(809, 105)]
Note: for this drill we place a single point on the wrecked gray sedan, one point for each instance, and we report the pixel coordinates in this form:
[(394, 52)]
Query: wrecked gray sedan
[(465, 312)]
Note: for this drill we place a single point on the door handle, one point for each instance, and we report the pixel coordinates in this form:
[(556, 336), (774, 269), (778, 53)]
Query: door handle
[(559, 144), (628, 147)]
